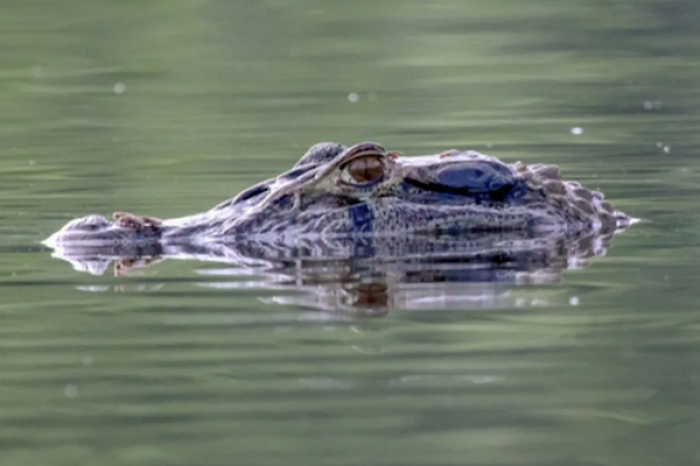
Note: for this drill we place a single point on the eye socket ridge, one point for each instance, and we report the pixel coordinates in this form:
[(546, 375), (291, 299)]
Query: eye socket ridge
[(363, 171)]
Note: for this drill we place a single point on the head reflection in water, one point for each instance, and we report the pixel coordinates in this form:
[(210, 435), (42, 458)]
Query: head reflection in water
[(364, 230), (370, 276)]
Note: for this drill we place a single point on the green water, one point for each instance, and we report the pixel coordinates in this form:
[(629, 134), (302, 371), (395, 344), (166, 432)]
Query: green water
[(168, 107)]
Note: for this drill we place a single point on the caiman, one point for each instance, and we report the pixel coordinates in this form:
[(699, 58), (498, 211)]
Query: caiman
[(365, 190)]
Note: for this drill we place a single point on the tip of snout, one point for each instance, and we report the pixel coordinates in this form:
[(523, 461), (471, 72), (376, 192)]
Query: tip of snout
[(51, 241), (79, 229)]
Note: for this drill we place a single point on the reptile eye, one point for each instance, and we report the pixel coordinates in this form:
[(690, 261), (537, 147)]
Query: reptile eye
[(363, 170)]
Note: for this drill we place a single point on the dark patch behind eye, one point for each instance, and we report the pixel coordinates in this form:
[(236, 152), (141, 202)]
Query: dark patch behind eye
[(473, 179), (499, 194), (490, 181)]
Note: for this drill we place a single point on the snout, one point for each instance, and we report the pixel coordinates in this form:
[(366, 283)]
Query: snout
[(94, 230)]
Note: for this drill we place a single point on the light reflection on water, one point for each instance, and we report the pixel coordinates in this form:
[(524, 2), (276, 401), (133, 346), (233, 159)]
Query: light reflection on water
[(469, 271), (120, 106)]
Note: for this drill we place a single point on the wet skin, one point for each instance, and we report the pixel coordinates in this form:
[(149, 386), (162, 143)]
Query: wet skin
[(334, 191)]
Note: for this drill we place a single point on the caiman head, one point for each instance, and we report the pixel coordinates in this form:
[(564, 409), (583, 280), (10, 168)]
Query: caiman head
[(365, 189)]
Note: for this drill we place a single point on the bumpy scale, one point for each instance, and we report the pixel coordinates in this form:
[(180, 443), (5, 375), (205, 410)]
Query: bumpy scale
[(365, 190)]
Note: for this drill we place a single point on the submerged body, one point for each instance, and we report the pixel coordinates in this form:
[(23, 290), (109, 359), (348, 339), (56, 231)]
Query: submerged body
[(334, 191)]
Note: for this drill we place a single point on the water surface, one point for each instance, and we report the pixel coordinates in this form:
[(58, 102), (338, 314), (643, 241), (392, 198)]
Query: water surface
[(167, 108)]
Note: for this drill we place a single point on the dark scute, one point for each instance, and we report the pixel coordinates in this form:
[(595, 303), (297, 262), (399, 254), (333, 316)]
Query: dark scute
[(469, 178), (297, 171), (251, 192)]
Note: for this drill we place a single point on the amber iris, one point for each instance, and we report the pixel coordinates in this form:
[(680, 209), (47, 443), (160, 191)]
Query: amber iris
[(364, 169)]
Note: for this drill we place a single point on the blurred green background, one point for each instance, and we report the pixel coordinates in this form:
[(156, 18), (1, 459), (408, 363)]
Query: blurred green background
[(168, 107)]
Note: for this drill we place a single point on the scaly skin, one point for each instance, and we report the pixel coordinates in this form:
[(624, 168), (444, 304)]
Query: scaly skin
[(335, 191)]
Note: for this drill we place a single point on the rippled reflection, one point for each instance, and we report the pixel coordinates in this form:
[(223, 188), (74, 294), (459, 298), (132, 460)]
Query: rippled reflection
[(370, 275)]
